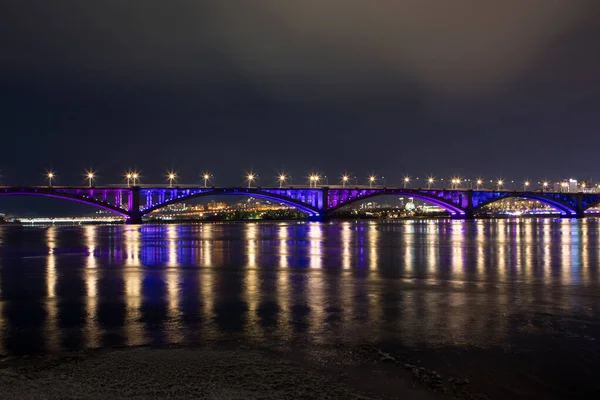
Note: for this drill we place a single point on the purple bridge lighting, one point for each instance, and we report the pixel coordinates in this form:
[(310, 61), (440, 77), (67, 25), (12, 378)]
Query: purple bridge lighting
[(135, 202)]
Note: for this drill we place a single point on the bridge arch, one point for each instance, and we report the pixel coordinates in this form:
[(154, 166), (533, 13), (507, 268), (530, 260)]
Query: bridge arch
[(564, 208), (310, 210), (453, 209), (591, 205), (71, 197)]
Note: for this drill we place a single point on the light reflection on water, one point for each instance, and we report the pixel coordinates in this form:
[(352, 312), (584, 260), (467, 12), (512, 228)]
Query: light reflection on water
[(436, 282)]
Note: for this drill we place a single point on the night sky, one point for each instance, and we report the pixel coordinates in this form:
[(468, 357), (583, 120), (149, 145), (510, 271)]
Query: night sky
[(495, 89)]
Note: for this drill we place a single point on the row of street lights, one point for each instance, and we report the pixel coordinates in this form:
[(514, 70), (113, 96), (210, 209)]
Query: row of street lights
[(132, 177)]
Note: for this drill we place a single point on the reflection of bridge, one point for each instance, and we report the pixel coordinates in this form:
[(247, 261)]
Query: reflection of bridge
[(135, 202)]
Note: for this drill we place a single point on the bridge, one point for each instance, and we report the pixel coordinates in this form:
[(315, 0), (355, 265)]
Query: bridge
[(136, 202)]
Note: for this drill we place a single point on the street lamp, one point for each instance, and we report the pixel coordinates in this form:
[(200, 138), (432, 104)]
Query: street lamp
[(90, 177), (128, 176), (479, 182), (314, 179), (250, 178), (526, 185), (282, 178), (135, 177), (345, 179), (406, 180), (171, 177), (371, 180), (50, 175), (429, 182), (544, 185), (500, 183), (206, 177)]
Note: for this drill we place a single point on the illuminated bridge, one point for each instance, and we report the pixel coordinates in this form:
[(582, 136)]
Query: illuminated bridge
[(318, 203)]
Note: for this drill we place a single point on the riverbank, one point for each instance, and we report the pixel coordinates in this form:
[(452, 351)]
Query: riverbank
[(232, 371)]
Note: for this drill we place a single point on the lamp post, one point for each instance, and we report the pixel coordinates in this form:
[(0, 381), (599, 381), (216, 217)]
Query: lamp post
[(429, 182), (250, 178), (544, 185), (371, 181), (479, 182), (90, 177), (128, 176), (50, 175), (171, 177), (206, 177), (282, 179), (406, 181), (526, 185), (345, 179), (500, 183), (135, 177)]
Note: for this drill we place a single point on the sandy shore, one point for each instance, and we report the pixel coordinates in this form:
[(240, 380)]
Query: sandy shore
[(218, 372)]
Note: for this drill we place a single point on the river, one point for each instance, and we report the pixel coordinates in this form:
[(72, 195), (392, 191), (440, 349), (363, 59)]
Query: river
[(512, 304)]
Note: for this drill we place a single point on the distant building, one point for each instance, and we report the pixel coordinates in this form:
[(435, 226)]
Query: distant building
[(573, 187)]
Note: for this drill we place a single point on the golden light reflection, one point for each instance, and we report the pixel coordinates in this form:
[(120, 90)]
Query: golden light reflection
[(481, 246), (283, 277), (172, 245), (457, 238), (315, 236), (282, 236), (173, 277), (316, 286), (206, 236), (132, 246), (431, 228), (52, 330), (134, 332), (408, 242), (373, 243), (566, 241), (251, 289), (346, 241), (91, 284), (547, 243), (529, 251), (583, 250), (208, 275), (501, 253)]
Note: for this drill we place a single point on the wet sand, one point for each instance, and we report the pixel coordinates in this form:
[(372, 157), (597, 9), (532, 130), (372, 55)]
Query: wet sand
[(221, 372)]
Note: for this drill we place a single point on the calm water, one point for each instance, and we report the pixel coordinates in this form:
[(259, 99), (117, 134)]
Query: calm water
[(429, 284)]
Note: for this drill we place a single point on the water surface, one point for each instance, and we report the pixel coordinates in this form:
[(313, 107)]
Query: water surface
[(518, 287)]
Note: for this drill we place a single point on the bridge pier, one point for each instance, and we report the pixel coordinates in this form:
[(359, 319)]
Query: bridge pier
[(465, 216), (319, 218), (135, 219)]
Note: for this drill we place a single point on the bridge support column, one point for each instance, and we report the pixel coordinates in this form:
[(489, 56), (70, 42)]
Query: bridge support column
[(319, 218), (134, 206), (468, 213), (134, 219), (579, 213)]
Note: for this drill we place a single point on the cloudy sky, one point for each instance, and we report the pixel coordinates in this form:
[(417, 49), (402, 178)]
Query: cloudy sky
[(465, 87)]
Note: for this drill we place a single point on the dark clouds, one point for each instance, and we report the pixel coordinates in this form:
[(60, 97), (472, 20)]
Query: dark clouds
[(461, 47), (460, 83)]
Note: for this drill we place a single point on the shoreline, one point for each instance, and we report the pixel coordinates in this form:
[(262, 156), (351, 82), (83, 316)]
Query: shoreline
[(217, 370)]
